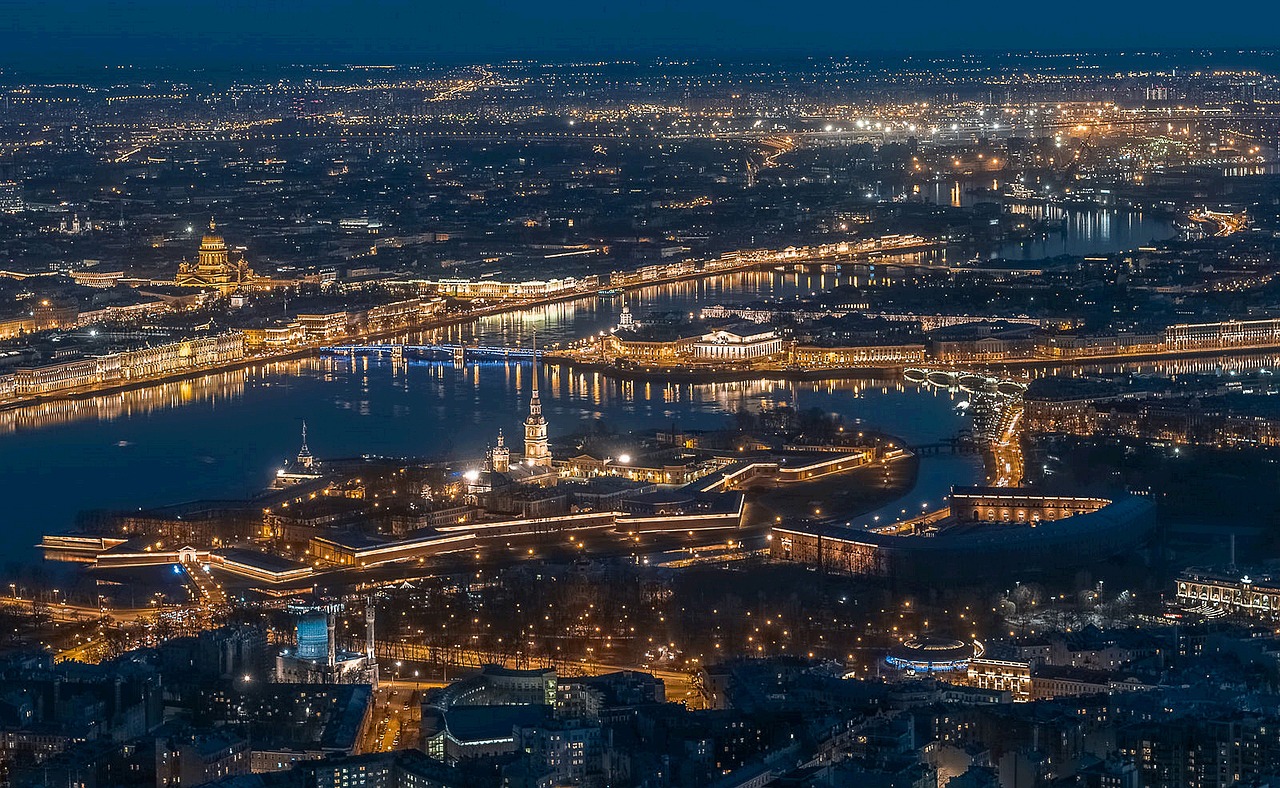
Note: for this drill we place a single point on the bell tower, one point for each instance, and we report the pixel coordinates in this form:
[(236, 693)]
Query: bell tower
[(500, 456)]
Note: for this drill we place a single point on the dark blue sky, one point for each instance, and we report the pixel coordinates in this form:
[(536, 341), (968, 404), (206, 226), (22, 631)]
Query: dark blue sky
[(36, 33)]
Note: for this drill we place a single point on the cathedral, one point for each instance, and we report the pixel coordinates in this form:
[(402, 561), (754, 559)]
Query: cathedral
[(536, 467), (214, 268)]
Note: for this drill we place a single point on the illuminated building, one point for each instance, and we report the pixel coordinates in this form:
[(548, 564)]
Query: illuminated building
[(1230, 593), (739, 342), (214, 268), (11, 197), (304, 468), (857, 356), (316, 659), (195, 759), (932, 655), (627, 344), (493, 289), (1002, 675), (1230, 333), (100, 280), (305, 459), (480, 715), (500, 456)]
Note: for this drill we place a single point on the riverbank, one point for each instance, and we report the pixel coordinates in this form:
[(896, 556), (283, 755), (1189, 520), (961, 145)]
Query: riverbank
[(686, 374), (431, 324), (740, 262), (695, 375), (1123, 358), (785, 372)]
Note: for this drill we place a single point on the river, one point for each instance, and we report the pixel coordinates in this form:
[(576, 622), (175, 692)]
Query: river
[(223, 435)]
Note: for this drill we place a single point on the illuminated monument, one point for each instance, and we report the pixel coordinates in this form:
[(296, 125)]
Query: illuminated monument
[(537, 451), (536, 467), (304, 468), (317, 659), (214, 268)]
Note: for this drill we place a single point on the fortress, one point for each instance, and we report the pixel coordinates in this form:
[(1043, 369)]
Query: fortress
[(985, 528)]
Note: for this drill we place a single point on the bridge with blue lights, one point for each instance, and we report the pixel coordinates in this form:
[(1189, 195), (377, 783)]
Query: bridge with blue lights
[(456, 352)]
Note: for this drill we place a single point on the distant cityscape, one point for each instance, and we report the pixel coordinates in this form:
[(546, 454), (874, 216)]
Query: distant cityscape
[(907, 421)]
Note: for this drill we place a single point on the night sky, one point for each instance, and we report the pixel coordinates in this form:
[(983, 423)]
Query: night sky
[(43, 33)]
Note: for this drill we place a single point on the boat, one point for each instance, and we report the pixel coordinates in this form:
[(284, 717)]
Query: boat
[(612, 292)]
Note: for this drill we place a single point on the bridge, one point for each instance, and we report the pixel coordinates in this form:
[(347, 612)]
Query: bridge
[(972, 382), (956, 445), (458, 352)]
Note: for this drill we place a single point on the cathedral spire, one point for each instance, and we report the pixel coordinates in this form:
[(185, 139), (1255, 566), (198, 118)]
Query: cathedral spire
[(535, 402), (304, 454), (537, 451)]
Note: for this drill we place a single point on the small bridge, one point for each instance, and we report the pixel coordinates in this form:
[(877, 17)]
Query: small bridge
[(955, 445)]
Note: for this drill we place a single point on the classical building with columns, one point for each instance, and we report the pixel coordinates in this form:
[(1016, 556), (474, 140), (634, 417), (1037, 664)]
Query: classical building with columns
[(214, 269), (739, 342)]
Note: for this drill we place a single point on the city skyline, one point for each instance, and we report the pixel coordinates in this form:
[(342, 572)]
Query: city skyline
[(907, 420)]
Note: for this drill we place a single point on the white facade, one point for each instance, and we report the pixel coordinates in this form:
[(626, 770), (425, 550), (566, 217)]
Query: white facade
[(729, 345)]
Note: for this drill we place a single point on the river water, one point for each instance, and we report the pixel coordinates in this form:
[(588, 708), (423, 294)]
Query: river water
[(223, 435)]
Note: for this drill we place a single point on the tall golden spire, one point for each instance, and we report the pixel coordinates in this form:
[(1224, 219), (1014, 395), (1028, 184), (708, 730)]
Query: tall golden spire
[(537, 452), (535, 403)]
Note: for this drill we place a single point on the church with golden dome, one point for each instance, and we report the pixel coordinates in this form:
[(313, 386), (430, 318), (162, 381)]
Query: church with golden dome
[(214, 268)]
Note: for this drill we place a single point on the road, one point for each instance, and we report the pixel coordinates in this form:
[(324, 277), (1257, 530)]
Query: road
[(396, 719), (65, 613), (1224, 224), (1006, 450)]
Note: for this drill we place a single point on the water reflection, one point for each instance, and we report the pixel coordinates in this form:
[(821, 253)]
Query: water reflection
[(1084, 232), (1200, 365), (127, 404), (141, 449)]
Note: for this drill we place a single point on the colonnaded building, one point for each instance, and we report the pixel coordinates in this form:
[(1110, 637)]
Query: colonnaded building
[(214, 268), (985, 527)]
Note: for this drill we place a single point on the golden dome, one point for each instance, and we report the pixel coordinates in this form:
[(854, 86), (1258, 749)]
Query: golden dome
[(212, 242)]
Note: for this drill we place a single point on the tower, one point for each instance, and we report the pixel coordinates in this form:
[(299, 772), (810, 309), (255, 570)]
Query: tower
[(369, 612), (500, 456), (537, 452), (331, 658), (305, 459)]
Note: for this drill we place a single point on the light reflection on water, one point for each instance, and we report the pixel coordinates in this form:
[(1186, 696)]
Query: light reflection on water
[(223, 436)]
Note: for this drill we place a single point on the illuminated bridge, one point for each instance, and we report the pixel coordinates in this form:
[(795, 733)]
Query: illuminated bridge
[(456, 352), (965, 381)]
